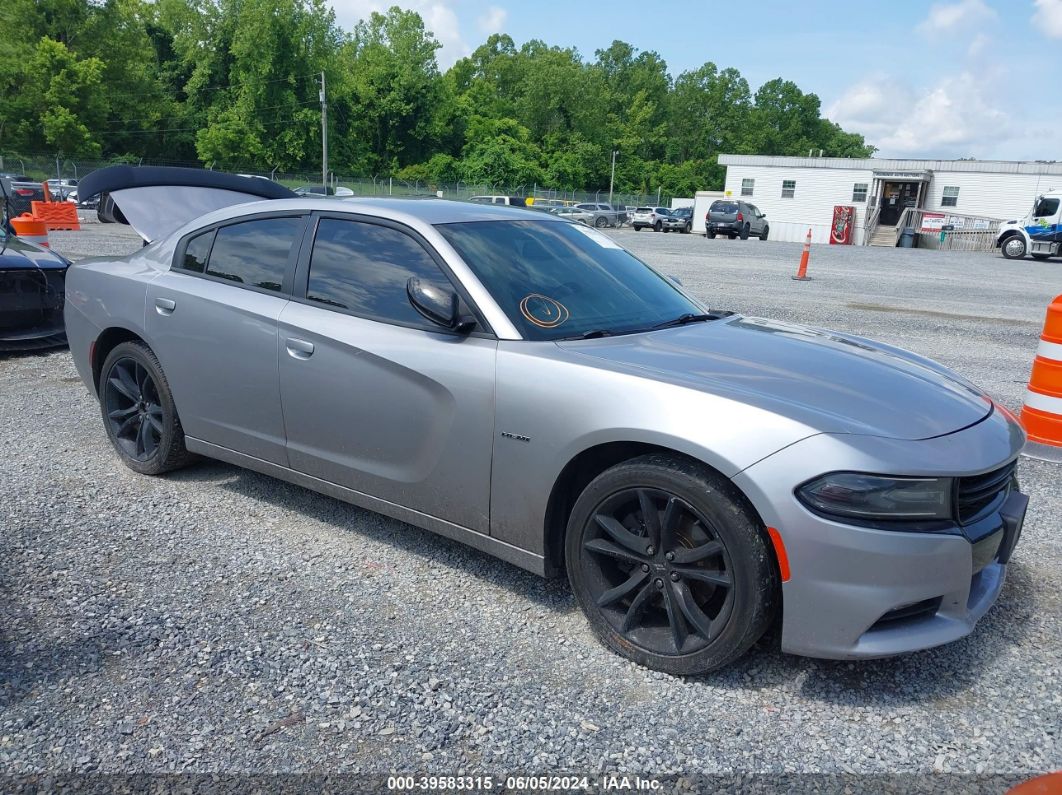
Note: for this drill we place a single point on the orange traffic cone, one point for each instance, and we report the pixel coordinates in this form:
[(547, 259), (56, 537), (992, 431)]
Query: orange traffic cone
[(32, 229), (802, 271), (1042, 413)]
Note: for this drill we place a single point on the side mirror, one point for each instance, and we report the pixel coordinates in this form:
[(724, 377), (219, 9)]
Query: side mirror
[(439, 305), (763, 215)]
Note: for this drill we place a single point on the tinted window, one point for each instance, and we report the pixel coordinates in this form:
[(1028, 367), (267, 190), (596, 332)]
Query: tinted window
[(723, 207), (196, 252), (1046, 207), (254, 253), (363, 268), (557, 280)]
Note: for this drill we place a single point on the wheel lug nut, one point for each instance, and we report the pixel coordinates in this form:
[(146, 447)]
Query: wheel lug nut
[(645, 567), (670, 556), (650, 550), (659, 583), (674, 576)]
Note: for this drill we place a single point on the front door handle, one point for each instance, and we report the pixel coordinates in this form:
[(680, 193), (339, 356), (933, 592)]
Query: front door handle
[(165, 306), (299, 349)]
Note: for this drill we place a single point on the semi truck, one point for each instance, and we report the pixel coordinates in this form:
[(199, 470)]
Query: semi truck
[(1039, 233)]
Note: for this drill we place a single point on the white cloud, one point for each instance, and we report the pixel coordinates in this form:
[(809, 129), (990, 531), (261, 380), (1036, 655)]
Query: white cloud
[(948, 18), (956, 116), (978, 45), (493, 20), (1048, 17), (439, 17)]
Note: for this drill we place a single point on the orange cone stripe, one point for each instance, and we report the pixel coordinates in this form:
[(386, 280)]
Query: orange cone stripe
[(1046, 377), (1053, 322), (1042, 427)]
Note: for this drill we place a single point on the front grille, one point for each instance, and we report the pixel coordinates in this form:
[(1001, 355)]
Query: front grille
[(30, 297), (976, 494)]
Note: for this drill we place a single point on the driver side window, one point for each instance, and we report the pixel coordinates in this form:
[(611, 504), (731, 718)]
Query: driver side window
[(362, 268)]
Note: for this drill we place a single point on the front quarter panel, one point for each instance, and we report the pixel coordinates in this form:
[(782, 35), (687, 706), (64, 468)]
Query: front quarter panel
[(553, 405)]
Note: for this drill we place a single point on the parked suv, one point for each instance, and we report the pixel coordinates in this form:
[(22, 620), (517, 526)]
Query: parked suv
[(681, 220), (604, 214), (652, 217), (735, 219)]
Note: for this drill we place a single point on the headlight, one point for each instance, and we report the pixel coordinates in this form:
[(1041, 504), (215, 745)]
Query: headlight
[(869, 497)]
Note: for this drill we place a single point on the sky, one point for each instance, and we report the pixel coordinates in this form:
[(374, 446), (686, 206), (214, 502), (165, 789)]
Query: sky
[(948, 79)]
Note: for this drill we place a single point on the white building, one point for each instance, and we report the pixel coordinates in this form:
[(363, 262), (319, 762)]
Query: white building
[(800, 193)]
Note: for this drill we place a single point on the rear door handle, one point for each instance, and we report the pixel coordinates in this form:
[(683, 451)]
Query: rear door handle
[(299, 349), (165, 306)]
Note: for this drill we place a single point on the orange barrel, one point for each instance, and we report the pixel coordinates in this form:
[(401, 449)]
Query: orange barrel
[(29, 228)]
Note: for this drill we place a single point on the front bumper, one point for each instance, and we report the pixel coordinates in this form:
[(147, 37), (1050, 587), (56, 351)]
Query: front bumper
[(859, 592), (31, 308)]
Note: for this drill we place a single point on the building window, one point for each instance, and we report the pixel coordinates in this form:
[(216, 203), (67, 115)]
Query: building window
[(788, 188), (859, 192), (950, 198), (747, 186)]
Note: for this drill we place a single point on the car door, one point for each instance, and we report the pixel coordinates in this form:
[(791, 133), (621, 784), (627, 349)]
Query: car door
[(1046, 218), (212, 322), (377, 398), (756, 226)]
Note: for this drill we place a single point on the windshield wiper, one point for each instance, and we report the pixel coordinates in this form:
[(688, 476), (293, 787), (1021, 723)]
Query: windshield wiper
[(593, 334), (682, 320)]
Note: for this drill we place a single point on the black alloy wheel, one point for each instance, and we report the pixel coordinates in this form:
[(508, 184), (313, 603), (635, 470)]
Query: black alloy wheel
[(134, 409), (138, 411), (668, 566)]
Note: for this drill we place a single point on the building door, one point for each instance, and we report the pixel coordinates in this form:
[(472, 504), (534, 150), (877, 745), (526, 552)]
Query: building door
[(895, 198)]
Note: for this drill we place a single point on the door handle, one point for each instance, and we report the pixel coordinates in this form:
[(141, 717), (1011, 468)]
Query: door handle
[(165, 306), (299, 349)]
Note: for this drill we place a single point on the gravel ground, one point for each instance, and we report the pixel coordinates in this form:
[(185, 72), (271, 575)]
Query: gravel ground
[(216, 620)]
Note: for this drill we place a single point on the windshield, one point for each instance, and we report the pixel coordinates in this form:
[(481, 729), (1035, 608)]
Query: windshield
[(557, 280)]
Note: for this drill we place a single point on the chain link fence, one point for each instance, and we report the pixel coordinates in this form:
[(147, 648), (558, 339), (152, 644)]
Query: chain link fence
[(43, 167)]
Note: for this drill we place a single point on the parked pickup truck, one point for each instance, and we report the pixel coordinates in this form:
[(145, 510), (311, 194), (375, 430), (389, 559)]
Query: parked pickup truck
[(604, 214)]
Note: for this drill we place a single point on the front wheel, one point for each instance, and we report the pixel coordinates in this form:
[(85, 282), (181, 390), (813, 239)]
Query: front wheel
[(687, 229), (710, 235), (138, 411), (669, 566), (1014, 247), (765, 232), (657, 226)]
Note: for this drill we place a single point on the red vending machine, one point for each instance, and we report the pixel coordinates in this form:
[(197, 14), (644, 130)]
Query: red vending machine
[(841, 228)]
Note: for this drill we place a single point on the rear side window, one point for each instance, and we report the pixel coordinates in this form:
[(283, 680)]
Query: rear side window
[(196, 252), (254, 253), (363, 268)]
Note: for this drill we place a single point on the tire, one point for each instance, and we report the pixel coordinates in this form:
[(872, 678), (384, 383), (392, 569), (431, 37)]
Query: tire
[(745, 232), (687, 229), (721, 601), (601, 222), (1014, 247), (710, 235), (637, 229), (657, 226), (138, 411), (765, 232), (731, 235)]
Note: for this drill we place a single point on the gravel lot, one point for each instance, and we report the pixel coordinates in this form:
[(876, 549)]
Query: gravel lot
[(218, 620)]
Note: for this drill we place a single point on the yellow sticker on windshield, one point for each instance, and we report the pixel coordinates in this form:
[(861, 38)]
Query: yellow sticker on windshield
[(543, 311)]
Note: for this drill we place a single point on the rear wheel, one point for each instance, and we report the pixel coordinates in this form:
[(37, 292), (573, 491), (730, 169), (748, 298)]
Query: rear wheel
[(637, 228), (668, 565), (601, 222), (745, 232), (138, 411), (731, 235), (1014, 247)]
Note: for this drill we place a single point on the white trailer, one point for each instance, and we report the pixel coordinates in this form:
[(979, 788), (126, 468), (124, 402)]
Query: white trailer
[(702, 200)]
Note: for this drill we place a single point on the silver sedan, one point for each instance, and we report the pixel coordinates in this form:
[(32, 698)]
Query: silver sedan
[(528, 387)]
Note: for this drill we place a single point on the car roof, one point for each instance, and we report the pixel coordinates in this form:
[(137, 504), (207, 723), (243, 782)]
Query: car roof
[(411, 211)]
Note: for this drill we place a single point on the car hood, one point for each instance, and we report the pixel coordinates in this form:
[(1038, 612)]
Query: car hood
[(18, 254), (834, 383)]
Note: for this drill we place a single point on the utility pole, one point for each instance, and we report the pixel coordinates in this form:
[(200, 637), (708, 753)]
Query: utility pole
[(612, 179), (324, 133)]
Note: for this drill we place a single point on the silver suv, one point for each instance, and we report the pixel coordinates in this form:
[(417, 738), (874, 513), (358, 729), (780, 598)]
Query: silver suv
[(653, 218)]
